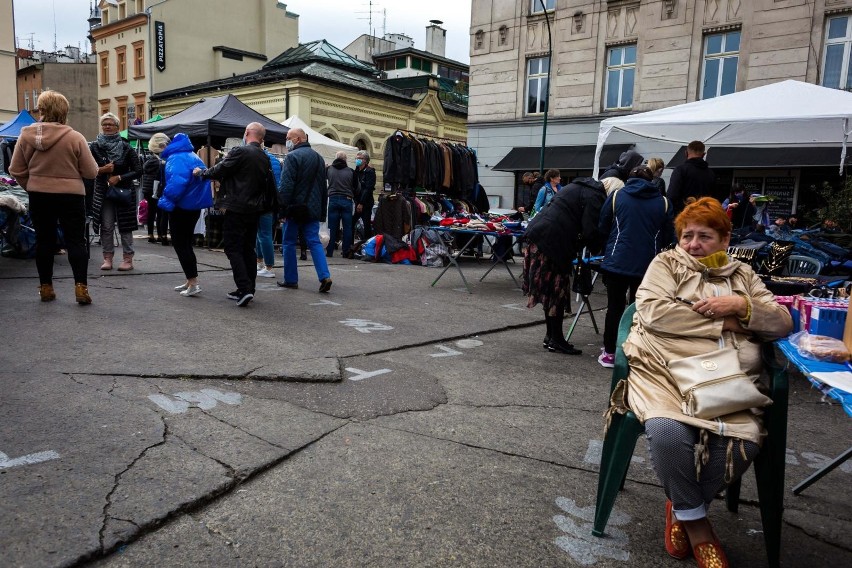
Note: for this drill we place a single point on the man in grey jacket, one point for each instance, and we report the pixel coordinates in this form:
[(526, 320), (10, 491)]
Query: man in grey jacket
[(342, 186)]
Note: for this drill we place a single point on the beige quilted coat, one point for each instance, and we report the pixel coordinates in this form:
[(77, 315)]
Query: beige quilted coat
[(666, 328)]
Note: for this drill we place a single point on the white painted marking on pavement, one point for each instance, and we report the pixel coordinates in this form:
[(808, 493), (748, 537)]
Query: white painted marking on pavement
[(324, 303), (205, 399), (595, 450), (520, 307), (579, 542), (469, 343), (169, 404), (446, 352), (361, 375), (29, 459), (365, 326), (345, 269)]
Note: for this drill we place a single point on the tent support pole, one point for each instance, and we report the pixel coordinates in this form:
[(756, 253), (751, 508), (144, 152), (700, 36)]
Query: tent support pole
[(286, 104)]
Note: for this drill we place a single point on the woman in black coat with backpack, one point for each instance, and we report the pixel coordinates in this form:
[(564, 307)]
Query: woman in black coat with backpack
[(554, 237)]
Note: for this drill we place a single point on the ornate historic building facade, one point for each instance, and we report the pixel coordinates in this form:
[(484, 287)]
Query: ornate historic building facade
[(612, 57)]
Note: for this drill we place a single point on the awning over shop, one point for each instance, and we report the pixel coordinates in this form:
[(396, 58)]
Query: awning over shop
[(560, 157), (783, 157)]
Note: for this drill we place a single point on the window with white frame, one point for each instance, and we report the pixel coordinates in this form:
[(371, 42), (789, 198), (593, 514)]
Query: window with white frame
[(836, 63), (721, 58), (536, 8), (26, 100), (537, 86), (620, 76)]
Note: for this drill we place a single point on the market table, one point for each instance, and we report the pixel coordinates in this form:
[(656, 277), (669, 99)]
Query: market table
[(491, 238), (808, 367)]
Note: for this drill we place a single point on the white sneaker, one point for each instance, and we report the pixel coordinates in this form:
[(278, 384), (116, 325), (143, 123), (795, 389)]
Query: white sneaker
[(193, 290), (259, 266), (265, 273), (181, 288)]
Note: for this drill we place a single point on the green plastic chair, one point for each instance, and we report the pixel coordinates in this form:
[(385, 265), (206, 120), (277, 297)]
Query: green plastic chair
[(625, 429)]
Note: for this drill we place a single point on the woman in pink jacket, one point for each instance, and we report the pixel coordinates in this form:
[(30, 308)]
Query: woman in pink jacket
[(50, 161)]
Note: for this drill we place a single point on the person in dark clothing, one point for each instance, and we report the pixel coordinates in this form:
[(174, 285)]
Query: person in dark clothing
[(554, 237), (693, 178), (303, 183), (246, 189), (153, 173), (342, 186), (739, 209), (364, 199), (638, 222), (622, 167)]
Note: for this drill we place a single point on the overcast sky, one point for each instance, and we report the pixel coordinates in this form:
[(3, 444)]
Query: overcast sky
[(338, 21)]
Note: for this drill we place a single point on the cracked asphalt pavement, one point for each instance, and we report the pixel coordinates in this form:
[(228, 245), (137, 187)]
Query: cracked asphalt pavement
[(388, 423)]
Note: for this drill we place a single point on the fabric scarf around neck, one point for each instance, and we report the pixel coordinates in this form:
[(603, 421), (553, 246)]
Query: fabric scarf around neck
[(113, 145)]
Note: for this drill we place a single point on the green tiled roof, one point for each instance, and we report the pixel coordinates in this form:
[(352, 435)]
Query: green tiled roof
[(319, 50)]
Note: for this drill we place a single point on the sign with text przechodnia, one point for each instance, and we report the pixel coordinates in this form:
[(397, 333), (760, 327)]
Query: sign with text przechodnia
[(160, 41)]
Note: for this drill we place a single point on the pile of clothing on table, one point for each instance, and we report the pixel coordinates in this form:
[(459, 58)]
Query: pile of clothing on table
[(17, 235)]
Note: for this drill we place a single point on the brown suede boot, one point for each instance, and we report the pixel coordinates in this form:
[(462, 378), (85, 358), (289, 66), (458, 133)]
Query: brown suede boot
[(81, 292), (46, 293), (107, 265), (126, 262)]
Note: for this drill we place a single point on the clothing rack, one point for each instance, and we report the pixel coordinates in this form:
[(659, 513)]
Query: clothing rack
[(418, 134)]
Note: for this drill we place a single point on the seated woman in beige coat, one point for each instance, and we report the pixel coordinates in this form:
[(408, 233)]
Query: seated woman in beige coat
[(691, 297)]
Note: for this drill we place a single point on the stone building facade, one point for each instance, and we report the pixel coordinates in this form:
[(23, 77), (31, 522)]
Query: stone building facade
[(613, 57), (148, 46), (76, 80)]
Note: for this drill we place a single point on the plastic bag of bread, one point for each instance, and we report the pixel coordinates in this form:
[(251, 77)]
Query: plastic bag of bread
[(820, 347)]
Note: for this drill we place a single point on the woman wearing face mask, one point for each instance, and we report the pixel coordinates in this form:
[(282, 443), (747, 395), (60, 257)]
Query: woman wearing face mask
[(118, 165)]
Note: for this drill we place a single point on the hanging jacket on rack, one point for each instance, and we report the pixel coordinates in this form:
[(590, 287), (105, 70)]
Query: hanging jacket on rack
[(399, 165)]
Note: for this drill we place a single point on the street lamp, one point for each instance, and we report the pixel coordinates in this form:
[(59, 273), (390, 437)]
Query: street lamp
[(547, 91)]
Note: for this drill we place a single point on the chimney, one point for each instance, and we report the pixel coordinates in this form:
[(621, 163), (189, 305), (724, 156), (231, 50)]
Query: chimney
[(436, 38)]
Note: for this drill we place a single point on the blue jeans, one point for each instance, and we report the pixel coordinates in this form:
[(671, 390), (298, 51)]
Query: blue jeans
[(263, 246), (339, 209), (291, 235)]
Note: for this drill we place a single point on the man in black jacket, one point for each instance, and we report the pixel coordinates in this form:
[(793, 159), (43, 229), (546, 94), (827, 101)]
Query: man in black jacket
[(693, 178), (364, 200), (247, 188)]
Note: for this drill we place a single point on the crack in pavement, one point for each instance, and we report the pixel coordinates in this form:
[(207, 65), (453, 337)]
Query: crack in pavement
[(200, 502), (117, 481), (816, 536), (541, 406), (230, 471), (239, 429)]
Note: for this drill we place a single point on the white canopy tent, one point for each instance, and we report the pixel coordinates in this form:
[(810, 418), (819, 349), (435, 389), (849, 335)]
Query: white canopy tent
[(326, 147), (789, 113)]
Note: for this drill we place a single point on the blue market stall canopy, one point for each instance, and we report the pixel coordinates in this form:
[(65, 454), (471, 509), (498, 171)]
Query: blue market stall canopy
[(224, 117), (12, 129)]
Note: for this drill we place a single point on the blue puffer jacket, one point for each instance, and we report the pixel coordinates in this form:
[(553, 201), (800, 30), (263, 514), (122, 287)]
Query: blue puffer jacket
[(303, 181), (639, 228), (183, 189)]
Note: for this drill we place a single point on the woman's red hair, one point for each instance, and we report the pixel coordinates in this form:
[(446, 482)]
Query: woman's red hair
[(705, 211)]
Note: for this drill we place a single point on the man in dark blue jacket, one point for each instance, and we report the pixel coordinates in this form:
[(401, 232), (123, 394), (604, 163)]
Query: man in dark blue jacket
[(247, 188), (303, 194)]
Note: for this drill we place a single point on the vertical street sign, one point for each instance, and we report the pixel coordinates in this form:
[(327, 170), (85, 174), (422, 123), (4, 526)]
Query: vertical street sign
[(160, 35)]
